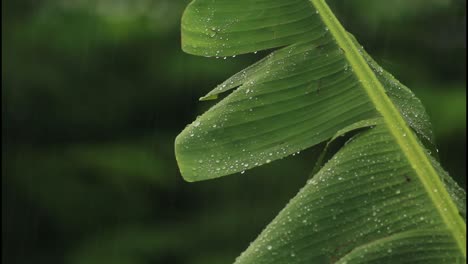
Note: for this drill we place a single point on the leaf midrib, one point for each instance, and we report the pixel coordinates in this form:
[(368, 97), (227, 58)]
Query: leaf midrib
[(397, 127)]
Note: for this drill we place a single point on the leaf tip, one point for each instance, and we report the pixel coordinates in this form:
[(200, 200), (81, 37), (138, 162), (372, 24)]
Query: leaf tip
[(208, 97)]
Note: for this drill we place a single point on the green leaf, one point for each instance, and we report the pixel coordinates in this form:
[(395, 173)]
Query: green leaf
[(226, 28), (290, 105), (382, 187), (366, 193)]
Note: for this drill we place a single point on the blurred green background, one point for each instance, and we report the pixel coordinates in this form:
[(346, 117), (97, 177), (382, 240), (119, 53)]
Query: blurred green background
[(95, 92)]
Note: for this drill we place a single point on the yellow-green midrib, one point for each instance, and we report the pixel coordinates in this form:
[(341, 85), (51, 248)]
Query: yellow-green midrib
[(397, 127)]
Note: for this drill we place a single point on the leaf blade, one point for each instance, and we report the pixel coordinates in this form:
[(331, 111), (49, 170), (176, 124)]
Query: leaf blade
[(213, 28), (365, 193), (291, 107), (287, 119)]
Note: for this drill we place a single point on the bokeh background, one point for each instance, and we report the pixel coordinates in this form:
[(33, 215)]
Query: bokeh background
[(95, 92)]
